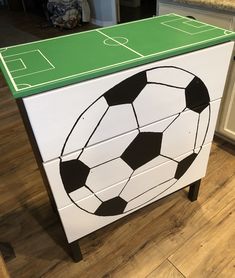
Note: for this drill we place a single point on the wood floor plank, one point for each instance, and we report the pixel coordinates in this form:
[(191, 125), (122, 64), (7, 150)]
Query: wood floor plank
[(214, 194), (118, 250), (3, 270), (228, 270), (209, 251), (164, 232), (141, 264), (166, 270)]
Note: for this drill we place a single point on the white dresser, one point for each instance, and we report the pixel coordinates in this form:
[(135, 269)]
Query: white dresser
[(137, 131)]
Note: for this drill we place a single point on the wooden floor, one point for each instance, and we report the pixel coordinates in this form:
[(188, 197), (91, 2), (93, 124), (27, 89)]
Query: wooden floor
[(19, 27), (170, 238)]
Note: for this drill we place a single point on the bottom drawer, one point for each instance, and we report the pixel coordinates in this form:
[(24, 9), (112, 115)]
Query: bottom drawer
[(104, 207)]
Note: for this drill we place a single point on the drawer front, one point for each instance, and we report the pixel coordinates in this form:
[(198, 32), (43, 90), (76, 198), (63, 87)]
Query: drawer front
[(104, 207), (71, 118), (80, 174)]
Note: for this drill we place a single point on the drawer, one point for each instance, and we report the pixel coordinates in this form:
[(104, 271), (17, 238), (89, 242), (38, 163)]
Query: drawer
[(104, 207), (71, 118), (80, 174)]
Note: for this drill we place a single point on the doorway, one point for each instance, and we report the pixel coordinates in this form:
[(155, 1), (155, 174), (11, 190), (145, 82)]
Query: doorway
[(136, 9)]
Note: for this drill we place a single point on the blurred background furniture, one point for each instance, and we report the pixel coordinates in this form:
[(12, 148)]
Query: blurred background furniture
[(224, 17)]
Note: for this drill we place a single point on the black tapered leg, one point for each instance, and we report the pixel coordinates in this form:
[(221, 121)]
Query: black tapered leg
[(193, 190), (75, 251)]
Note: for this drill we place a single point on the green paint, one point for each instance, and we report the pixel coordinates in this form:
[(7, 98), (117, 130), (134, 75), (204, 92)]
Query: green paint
[(49, 64)]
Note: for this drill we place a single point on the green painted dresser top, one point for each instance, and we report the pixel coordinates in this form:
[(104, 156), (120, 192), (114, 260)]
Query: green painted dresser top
[(53, 63)]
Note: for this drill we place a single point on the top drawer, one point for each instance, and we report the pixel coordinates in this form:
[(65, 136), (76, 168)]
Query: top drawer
[(73, 117)]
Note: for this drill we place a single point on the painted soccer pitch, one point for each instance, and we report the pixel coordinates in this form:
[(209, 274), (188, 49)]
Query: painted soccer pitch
[(43, 65)]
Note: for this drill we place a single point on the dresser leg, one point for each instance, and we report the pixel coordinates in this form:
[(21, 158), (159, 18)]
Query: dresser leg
[(193, 190), (75, 251)]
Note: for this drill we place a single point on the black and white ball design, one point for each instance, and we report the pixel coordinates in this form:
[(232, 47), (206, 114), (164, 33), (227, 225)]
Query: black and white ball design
[(136, 104)]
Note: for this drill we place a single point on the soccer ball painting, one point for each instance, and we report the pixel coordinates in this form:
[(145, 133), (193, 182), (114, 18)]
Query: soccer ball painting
[(132, 133)]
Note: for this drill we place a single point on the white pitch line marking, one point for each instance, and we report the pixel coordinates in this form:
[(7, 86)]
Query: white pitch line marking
[(186, 22), (25, 85), (30, 51), (17, 54), (106, 41), (217, 28), (23, 53), (35, 72), (24, 66), (190, 23), (46, 58), (8, 72), (227, 32), (3, 49), (51, 66), (120, 43)]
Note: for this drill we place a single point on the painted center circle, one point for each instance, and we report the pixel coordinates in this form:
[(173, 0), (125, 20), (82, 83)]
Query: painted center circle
[(115, 41)]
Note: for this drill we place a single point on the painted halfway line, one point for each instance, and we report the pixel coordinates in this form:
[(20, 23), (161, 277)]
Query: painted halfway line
[(120, 43)]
